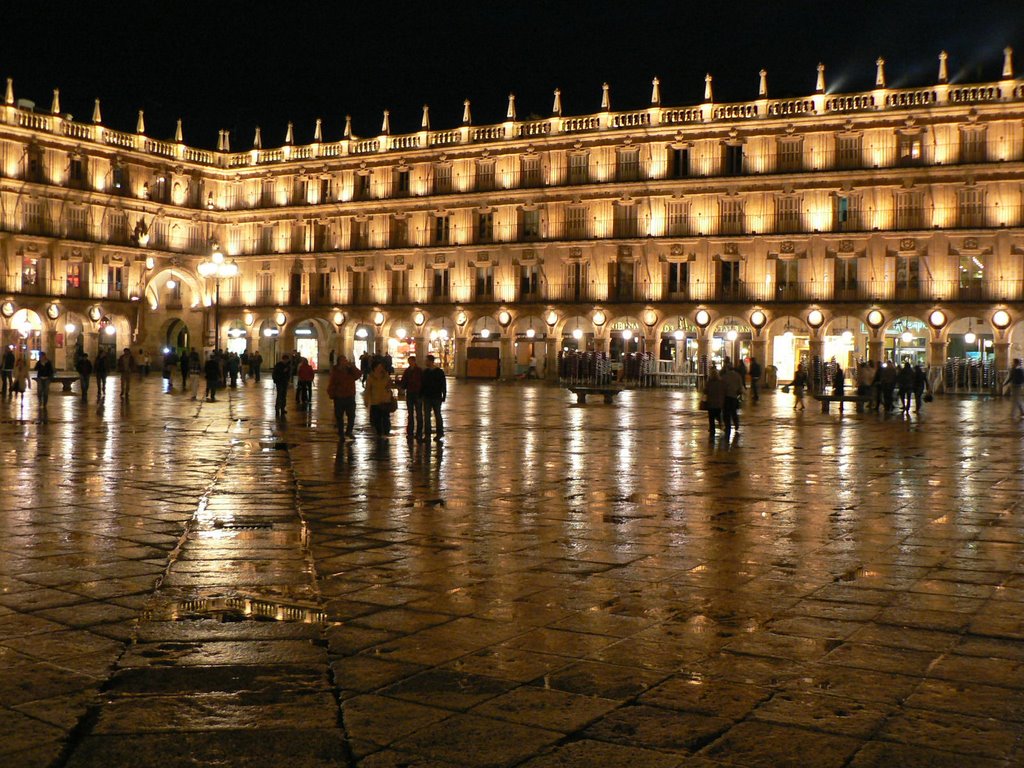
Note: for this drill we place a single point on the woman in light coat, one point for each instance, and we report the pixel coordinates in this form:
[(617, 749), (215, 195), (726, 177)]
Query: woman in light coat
[(380, 398)]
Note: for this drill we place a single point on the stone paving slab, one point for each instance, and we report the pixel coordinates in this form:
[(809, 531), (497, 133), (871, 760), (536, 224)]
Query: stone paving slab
[(199, 584)]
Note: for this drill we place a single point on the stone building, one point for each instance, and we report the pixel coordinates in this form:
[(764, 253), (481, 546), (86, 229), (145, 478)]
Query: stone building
[(859, 225)]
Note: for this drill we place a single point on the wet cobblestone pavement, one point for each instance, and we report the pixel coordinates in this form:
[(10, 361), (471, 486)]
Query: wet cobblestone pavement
[(195, 584)]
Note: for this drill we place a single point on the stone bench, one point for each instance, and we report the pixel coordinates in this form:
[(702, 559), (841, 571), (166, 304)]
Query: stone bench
[(827, 400), (581, 393), (65, 380)]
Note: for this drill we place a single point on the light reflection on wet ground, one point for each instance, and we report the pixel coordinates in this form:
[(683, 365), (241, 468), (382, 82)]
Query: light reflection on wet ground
[(554, 585)]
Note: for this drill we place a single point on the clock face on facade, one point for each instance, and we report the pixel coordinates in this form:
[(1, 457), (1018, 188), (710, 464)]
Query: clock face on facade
[(95, 314), (7, 309), (53, 311)]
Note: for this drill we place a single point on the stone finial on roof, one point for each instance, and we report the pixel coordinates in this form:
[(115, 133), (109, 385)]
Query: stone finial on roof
[(556, 107), (179, 137), (55, 105), (606, 98), (96, 116), (510, 113), (707, 87), (289, 134), (762, 84), (425, 120), (257, 140), (656, 92), (318, 131), (140, 124), (819, 84), (348, 127), (9, 93), (227, 141), (943, 67), (467, 118), (1007, 62), (880, 72), (220, 140), (385, 125)]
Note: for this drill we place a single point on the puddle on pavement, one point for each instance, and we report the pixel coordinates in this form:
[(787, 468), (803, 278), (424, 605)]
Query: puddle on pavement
[(234, 609)]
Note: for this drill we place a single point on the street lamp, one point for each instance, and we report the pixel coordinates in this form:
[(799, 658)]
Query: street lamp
[(218, 269)]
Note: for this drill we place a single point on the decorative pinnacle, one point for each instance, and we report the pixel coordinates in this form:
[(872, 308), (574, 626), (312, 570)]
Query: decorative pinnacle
[(656, 92), (556, 107), (943, 67), (819, 85), (880, 72), (762, 84), (606, 99)]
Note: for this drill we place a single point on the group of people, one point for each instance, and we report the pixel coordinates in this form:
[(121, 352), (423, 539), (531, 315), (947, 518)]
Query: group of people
[(99, 367), (293, 366)]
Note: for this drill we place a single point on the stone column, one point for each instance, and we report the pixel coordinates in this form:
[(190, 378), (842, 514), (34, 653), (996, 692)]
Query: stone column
[(875, 349), (551, 353), (50, 344), (601, 344), (758, 347), (507, 367), (703, 354), (460, 357), (92, 344), (422, 350), (815, 349), (937, 354)]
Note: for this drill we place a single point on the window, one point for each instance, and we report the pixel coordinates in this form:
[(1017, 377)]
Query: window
[(402, 182), (74, 279), (159, 233), (846, 213), (77, 226), (267, 238), (910, 149), (29, 272), (529, 282), (195, 242), (787, 214), (266, 287), (118, 222), (120, 180), (320, 237), (529, 171), (845, 277), (268, 191), (484, 175), (161, 190), (442, 284), (34, 167), (33, 221), (678, 163), (848, 152), (483, 283), (625, 223), (731, 216), (195, 191), (787, 275), (295, 289), (399, 286), (678, 282), (442, 179), (115, 278), (360, 234), (76, 172), (791, 155), (620, 280), (971, 207), (299, 191), (908, 275), (530, 225), (360, 282), (627, 164), (972, 272), (485, 227), (325, 190), (361, 188), (579, 168), (320, 288), (909, 212), (677, 218), (733, 160), (729, 278), (577, 274), (398, 232), (576, 223), (973, 148), (442, 230)]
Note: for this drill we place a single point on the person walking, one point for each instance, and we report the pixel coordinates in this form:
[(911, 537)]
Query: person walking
[(147, 363), (381, 399), (213, 375), (714, 399), (234, 365), (101, 369), (84, 369), (920, 386), (905, 385), (838, 379), (733, 386), (7, 370), (186, 366), (126, 367), (755, 378), (1017, 390), (799, 387), (282, 376), (305, 376), (365, 364), (243, 364), (434, 392), (256, 366), (20, 382), (887, 376), (44, 375), (412, 384), (341, 388), (195, 373), (865, 379)]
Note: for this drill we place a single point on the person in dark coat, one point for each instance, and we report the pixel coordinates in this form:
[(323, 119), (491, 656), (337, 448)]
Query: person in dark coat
[(905, 385), (212, 372), (101, 369), (412, 384), (282, 376), (84, 368), (434, 391), (183, 363), (7, 370), (755, 378), (714, 399), (920, 385)]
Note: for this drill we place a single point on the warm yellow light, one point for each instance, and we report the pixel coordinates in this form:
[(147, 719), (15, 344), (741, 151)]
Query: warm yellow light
[(419, 318), (280, 318), (732, 335), (937, 318), (702, 318), (400, 333), (627, 334), (599, 318), (378, 318), (650, 317), (908, 337), (875, 318), (552, 318), (504, 317), (679, 335), (577, 334), (969, 338), (338, 318), (815, 318), (1001, 319), (485, 333)]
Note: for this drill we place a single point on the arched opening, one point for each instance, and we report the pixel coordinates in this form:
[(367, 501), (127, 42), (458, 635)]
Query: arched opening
[(307, 342), (401, 342), (677, 346), (625, 337), (789, 343), (363, 341), (107, 339), (845, 340), (483, 358), (441, 343), (530, 346), (970, 356), (238, 337), (177, 338), (24, 334), (270, 333), (577, 335), (906, 341), (70, 340), (730, 341)]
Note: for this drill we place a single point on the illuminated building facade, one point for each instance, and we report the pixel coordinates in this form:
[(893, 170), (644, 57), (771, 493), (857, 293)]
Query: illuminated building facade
[(859, 225)]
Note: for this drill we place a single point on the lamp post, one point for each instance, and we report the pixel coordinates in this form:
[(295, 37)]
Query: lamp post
[(216, 267)]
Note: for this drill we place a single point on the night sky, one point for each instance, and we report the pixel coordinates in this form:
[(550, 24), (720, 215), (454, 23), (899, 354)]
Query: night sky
[(227, 64)]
